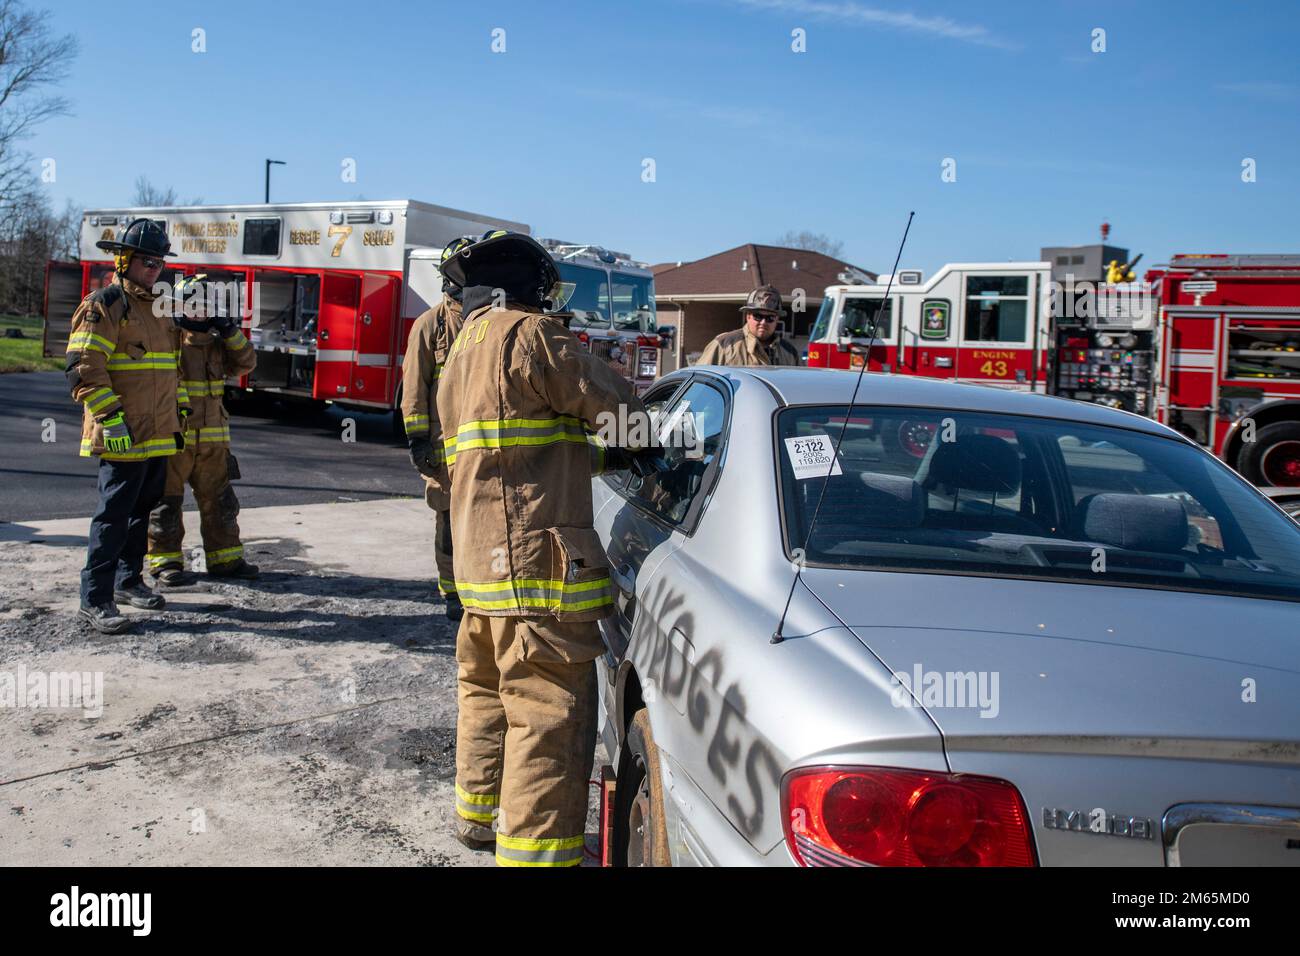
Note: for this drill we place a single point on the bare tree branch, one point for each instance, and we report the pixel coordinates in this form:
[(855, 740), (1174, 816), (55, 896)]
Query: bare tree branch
[(814, 242)]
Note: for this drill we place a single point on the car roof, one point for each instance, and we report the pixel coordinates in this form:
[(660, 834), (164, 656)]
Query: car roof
[(819, 386)]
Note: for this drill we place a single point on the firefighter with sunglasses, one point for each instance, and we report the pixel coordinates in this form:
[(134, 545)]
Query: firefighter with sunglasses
[(757, 342)]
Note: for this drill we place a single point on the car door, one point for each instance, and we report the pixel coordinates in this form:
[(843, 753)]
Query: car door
[(652, 516)]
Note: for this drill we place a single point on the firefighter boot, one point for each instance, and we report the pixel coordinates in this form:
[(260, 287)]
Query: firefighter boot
[(239, 568), (172, 577), (141, 596), (474, 835), (105, 618)]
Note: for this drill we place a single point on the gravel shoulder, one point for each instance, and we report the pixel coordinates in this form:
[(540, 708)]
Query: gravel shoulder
[(305, 718)]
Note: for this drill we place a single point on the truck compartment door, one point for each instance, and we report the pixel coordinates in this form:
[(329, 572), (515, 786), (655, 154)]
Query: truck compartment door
[(376, 344), (336, 336)]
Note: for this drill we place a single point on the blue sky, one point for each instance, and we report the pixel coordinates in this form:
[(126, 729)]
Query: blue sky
[(749, 138)]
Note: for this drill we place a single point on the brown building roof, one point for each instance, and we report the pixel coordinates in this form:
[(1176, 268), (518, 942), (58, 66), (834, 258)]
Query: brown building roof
[(739, 270)]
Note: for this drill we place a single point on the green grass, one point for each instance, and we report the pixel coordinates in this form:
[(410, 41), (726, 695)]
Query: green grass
[(24, 355)]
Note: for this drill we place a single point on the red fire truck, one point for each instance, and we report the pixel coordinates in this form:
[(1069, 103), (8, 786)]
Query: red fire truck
[(328, 291), (1229, 359), (985, 322)]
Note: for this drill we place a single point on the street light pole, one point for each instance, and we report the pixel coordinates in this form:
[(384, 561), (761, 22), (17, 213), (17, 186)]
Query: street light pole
[(278, 162)]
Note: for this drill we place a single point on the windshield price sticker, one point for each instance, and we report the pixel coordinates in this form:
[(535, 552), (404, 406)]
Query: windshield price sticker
[(812, 456)]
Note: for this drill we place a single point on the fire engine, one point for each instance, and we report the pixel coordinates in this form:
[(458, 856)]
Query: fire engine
[(328, 291), (1105, 338), (611, 304), (985, 322), (1229, 359)]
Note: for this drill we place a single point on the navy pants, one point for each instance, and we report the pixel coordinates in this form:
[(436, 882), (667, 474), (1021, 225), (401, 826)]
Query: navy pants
[(119, 531)]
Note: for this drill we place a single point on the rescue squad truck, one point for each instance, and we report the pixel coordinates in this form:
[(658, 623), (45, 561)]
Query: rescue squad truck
[(328, 291), (1229, 359), (984, 322)]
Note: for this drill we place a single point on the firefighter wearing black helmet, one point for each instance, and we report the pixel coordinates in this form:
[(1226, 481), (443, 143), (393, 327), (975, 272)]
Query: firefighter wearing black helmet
[(426, 353), (122, 366), (519, 400)]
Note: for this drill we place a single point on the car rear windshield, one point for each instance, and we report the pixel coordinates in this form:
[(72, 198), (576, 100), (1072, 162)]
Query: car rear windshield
[(933, 490)]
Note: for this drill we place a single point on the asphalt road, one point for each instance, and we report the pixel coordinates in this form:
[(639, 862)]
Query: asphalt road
[(288, 455)]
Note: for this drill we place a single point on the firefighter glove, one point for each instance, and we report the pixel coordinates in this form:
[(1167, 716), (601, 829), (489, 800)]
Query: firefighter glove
[(117, 436), (422, 456), (643, 462)]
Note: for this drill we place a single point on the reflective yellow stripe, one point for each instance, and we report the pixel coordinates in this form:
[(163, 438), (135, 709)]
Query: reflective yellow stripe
[(524, 851), (446, 585), (100, 399), (214, 434), (154, 448), (416, 424), (165, 557), (478, 799), (513, 432), (235, 340), (121, 361), (80, 341), (536, 592), (205, 388), (225, 555), (478, 807)]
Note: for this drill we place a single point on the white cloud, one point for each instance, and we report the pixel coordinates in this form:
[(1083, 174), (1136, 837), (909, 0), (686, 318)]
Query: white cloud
[(857, 14)]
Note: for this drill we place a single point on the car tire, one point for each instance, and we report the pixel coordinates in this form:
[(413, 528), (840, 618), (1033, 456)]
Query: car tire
[(1273, 458), (640, 829)]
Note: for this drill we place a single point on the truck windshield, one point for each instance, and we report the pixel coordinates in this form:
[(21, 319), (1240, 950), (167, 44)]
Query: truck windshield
[(589, 300), (952, 492), (634, 303)]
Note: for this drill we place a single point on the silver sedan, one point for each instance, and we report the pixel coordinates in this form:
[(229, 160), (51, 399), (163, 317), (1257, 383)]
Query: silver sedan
[(948, 625)]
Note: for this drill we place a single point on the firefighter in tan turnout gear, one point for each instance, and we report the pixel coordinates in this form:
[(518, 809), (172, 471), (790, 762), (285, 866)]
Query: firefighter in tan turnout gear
[(426, 353), (212, 350), (518, 399), (757, 343), (122, 367)]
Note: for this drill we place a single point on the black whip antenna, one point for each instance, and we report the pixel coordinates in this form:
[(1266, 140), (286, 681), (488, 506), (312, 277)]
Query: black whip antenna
[(802, 552)]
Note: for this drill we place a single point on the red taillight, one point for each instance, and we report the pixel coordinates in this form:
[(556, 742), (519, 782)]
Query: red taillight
[(837, 816)]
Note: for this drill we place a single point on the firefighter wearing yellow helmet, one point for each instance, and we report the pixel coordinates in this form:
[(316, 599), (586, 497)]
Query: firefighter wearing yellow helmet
[(426, 353), (519, 399), (122, 366)]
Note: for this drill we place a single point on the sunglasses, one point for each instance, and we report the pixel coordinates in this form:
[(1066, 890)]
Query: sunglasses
[(762, 318), (151, 263)]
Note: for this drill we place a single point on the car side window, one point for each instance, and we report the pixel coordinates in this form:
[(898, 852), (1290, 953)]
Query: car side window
[(691, 434), (655, 400)]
